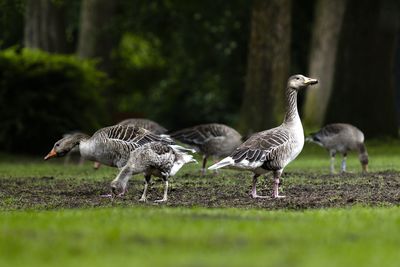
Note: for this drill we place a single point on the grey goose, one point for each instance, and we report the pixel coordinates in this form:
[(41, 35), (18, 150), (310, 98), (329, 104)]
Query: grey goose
[(153, 158), (110, 146), (213, 139), (341, 138), (115, 146), (273, 149), (147, 124)]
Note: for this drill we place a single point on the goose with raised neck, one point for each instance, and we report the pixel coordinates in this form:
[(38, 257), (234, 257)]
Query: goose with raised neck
[(273, 149)]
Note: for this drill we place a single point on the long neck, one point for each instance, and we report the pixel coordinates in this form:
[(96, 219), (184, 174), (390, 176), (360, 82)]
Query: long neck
[(81, 137), (291, 114)]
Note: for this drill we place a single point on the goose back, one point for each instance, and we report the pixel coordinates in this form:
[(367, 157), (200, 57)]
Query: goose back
[(210, 139), (147, 124), (112, 145), (341, 137)]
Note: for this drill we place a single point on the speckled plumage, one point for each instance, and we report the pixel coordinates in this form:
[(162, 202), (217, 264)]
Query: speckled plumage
[(153, 158), (213, 139), (341, 138), (273, 149)]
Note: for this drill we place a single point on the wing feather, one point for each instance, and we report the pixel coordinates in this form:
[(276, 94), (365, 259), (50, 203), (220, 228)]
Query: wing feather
[(261, 147)]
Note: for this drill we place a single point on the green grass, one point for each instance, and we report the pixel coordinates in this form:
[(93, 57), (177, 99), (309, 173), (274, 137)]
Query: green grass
[(200, 237), (164, 236)]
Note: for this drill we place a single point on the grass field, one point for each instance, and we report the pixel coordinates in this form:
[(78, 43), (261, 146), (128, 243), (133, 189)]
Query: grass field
[(53, 215)]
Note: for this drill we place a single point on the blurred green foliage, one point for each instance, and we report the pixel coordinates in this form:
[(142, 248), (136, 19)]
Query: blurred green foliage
[(181, 62), (43, 96), (178, 62)]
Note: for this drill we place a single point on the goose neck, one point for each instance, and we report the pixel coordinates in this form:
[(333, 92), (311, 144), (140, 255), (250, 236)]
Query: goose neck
[(291, 112)]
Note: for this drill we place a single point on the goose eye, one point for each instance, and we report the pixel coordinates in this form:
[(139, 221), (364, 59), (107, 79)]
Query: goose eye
[(57, 145)]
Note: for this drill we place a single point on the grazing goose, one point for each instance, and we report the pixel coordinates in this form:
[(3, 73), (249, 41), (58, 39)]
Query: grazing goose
[(273, 149), (153, 158), (150, 125), (110, 145), (212, 139), (75, 150), (342, 138)]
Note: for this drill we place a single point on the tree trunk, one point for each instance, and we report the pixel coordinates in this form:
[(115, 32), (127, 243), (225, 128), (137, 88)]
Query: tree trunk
[(96, 37), (45, 26), (325, 36), (267, 66), (363, 87)]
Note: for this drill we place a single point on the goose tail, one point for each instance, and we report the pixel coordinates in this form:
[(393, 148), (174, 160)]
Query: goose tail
[(228, 161)]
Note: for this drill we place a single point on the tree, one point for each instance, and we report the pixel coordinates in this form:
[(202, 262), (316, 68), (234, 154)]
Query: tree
[(325, 36), (45, 25), (96, 37), (267, 66), (363, 85)]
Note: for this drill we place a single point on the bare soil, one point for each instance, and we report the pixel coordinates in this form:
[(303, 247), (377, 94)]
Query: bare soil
[(302, 190)]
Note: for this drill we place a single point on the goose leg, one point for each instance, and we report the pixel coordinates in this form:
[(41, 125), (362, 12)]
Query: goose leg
[(344, 162), (254, 188), (203, 169), (96, 165), (165, 197), (333, 154), (277, 175), (147, 179), (81, 161)]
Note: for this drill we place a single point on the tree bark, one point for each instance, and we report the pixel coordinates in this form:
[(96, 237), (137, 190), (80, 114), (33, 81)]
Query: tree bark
[(96, 38), (325, 36), (267, 66), (363, 86), (45, 26)]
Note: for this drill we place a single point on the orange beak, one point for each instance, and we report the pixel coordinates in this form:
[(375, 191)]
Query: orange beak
[(51, 154)]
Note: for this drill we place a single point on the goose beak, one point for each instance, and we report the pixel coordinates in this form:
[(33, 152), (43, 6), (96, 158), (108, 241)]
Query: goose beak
[(51, 154), (309, 81)]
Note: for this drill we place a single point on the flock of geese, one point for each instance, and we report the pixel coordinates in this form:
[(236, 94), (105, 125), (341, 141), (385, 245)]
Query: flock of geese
[(142, 146)]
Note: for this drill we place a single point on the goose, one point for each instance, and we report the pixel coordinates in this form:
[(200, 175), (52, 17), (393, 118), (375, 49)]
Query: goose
[(273, 149), (147, 124), (213, 139), (73, 151), (342, 138), (110, 146), (153, 158)]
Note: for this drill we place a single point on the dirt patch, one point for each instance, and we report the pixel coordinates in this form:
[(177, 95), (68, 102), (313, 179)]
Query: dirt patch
[(302, 190)]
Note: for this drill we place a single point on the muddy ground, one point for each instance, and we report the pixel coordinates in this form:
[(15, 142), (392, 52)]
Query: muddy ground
[(302, 190)]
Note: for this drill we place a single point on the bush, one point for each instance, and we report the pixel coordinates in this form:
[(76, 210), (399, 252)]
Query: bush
[(43, 96)]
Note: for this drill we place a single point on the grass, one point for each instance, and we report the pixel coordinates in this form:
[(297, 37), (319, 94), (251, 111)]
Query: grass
[(200, 237), (193, 236)]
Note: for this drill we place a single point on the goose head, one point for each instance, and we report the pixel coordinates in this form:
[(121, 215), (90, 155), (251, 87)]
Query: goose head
[(64, 145), (118, 187), (299, 81)]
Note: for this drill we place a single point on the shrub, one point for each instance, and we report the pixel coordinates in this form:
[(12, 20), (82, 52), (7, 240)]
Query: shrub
[(43, 96)]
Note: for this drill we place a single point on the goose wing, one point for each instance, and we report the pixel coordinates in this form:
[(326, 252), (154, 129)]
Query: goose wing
[(201, 134), (331, 129), (261, 147), (130, 135), (150, 125)]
